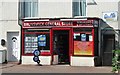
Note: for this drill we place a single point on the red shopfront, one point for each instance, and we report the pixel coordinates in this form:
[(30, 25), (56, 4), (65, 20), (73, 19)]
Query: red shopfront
[(60, 41)]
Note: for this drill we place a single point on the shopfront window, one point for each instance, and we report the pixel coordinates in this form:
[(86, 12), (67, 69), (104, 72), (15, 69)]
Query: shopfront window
[(36, 40), (83, 41)]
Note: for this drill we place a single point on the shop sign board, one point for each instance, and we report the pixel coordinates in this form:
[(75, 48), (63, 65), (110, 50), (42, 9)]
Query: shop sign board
[(110, 16), (80, 23)]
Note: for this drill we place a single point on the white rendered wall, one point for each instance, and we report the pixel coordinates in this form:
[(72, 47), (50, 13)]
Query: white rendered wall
[(44, 60), (82, 61), (103, 6), (8, 18), (55, 8)]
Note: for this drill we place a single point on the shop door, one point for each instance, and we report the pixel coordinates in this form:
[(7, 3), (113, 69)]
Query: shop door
[(108, 46), (61, 46), (13, 46)]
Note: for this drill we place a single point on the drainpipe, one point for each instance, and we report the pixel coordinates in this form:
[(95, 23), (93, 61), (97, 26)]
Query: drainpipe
[(20, 61), (20, 24)]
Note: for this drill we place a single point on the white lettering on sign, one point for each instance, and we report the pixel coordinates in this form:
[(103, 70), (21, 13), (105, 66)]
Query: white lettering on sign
[(60, 23), (26, 24)]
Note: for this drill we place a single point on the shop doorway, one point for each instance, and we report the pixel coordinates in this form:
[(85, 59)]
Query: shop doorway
[(61, 45), (108, 46)]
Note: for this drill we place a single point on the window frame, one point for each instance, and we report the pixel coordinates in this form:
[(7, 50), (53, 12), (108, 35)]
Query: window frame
[(22, 8), (85, 14), (37, 33), (86, 32)]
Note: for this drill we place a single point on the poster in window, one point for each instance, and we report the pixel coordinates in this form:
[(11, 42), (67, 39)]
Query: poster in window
[(83, 37), (34, 39), (90, 38), (42, 38), (27, 39), (41, 43), (76, 34), (34, 44), (83, 48)]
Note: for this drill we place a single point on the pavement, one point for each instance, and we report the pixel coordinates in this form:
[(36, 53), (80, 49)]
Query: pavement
[(15, 68)]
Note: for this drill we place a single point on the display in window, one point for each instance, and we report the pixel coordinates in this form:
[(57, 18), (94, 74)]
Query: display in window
[(27, 50), (83, 37), (41, 43), (76, 35), (28, 39), (31, 43), (90, 38), (34, 44), (41, 38), (34, 39), (33, 49), (45, 50), (28, 44), (83, 48), (30, 50)]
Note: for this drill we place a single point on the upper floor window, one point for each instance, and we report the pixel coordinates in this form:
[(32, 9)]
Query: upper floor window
[(28, 8), (79, 8)]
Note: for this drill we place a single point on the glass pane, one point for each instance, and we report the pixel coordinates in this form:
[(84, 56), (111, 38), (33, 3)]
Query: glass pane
[(75, 8), (27, 9), (34, 8), (79, 7), (83, 5), (21, 11)]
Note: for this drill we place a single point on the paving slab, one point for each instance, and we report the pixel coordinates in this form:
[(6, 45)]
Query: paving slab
[(15, 68)]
